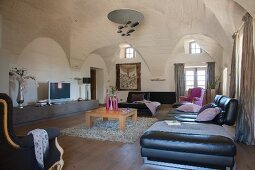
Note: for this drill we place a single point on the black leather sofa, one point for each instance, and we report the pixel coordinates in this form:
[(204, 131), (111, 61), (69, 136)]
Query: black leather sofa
[(142, 109), (190, 149)]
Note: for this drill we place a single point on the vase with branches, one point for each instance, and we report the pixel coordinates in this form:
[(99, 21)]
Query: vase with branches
[(215, 83), (21, 76), (112, 99)]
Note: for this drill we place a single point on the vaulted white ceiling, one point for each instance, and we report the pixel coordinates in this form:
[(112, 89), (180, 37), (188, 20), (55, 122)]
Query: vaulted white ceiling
[(81, 27)]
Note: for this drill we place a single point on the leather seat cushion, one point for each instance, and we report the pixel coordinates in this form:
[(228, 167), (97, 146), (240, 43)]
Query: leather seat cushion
[(133, 105), (188, 143)]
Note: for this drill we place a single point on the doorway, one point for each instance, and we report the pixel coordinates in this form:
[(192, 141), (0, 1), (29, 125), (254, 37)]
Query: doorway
[(93, 84)]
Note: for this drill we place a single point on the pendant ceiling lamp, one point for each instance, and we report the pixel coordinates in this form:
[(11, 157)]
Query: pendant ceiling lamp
[(127, 19)]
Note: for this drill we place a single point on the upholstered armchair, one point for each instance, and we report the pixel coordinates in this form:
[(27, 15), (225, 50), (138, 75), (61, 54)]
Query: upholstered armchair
[(195, 95), (18, 152)]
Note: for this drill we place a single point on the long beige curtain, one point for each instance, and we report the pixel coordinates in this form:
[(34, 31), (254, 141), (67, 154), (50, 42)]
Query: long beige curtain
[(232, 86), (245, 120), (210, 74), (179, 77)]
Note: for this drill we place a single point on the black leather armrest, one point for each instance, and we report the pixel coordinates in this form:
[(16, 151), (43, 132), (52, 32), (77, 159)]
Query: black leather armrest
[(188, 143), (26, 141), (53, 132)]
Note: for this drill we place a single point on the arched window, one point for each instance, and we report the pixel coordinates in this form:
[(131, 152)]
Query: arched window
[(129, 52), (194, 48)]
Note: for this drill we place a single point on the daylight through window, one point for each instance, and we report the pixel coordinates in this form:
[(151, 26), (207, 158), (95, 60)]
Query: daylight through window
[(130, 52), (194, 48), (195, 77)]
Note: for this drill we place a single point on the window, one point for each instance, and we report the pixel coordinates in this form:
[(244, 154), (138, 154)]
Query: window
[(194, 48), (195, 77), (129, 53)]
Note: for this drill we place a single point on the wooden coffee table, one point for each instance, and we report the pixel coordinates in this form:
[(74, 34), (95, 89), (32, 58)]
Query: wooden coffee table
[(106, 114)]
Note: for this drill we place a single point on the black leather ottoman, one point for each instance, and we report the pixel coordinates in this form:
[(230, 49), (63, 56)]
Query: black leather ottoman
[(188, 149)]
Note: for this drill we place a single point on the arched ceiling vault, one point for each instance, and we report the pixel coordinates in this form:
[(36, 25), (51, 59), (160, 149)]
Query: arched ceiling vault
[(249, 5), (81, 26)]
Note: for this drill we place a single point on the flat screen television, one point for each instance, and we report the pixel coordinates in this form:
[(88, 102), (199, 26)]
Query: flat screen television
[(59, 91)]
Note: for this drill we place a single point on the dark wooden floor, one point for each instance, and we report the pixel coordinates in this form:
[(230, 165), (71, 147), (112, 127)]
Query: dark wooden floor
[(84, 154)]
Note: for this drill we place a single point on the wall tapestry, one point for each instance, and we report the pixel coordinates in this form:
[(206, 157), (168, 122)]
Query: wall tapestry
[(128, 76)]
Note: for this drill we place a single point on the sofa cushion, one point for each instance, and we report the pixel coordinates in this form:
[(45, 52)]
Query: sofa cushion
[(207, 106), (132, 105), (137, 97), (146, 96), (208, 114), (189, 108)]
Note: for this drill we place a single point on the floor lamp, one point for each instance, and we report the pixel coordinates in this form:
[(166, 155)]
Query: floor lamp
[(86, 81)]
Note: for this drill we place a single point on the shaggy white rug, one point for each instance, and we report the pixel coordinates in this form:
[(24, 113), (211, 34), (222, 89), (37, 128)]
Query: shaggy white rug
[(109, 130)]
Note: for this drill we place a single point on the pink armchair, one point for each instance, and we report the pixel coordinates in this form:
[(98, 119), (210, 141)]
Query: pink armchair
[(195, 95)]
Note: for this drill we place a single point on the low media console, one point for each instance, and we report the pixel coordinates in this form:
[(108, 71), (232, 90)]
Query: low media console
[(33, 113)]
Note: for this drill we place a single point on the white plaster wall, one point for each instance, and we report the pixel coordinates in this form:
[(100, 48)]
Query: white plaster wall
[(168, 84), (4, 66), (96, 61), (46, 60), (226, 63), (100, 85), (146, 76), (4, 73)]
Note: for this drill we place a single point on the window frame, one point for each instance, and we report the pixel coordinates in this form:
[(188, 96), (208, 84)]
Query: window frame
[(132, 54), (195, 77), (196, 48)]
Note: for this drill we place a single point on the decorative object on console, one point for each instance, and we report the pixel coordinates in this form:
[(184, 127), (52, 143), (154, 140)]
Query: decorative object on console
[(158, 79), (21, 76), (128, 76), (80, 82), (86, 81), (127, 18)]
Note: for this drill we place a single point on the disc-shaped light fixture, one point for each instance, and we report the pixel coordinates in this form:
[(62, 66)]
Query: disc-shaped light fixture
[(130, 31), (128, 19), (122, 16), (134, 24), (129, 22), (120, 27)]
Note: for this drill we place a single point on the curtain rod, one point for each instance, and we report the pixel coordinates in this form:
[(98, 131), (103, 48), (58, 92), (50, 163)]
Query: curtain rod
[(241, 27)]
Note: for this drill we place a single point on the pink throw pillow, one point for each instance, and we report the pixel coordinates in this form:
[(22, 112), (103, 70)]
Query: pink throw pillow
[(208, 114), (189, 108)]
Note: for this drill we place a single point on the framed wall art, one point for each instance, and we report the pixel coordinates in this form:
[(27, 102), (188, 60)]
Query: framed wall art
[(128, 77)]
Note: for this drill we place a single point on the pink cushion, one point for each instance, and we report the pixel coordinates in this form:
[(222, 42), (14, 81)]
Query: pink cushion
[(189, 108), (208, 114)]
